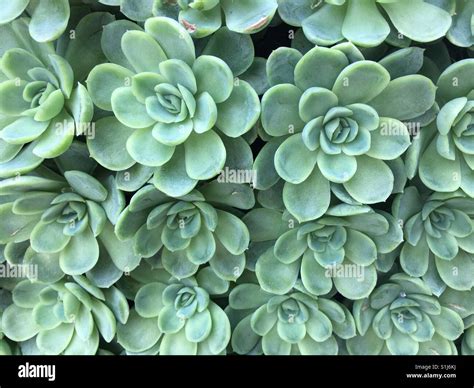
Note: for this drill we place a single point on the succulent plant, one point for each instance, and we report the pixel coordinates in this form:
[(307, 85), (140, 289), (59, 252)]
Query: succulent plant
[(60, 223), (177, 317), (41, 108), (49, 18), (188, 232), (461, 32), (293, 323), (172, 101), (447, 146), (203, 17), (468, 340), (365, 23), (65, 317), (344, 122), (403, 317), (339, 248), (439, 233), (172, 181)]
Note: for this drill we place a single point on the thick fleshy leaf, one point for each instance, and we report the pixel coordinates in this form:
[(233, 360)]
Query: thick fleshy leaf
[(402, 344), (206, 113), (294, 162), (177, 344), (103, 80), (128, 110), (274, 276), (12, 10), (214, 77), (308, 200), (80, 255), (242, 102), (178, 264), (358, 282), (248, 16), (135, 44), (49, 20), (281, 65), (456, 272), (138, 334), (405, 98), (48, 237), (324, 27), (86, 185), (55, 341), (172, 38), (439, 173), (146, 150), (18, 323), (289, 248), (372, 182), (205, 155), (364, 25), (329, 63), (232, 233), (235, 49), (108, 144), (389, 141), (418, 20), (361, 81), (337, 168), (280, 114), (314, 276), (172, 177)]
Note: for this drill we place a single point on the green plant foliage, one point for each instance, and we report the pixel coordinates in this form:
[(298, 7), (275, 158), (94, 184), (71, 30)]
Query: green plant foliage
[(186, 232), (173, 104), (338, 249), (236, 177), (177, 317), (61, 224), (438, 237), (293, 323), (366, 23), (402, 317), (447, 160), (65, 317), (343, 123)]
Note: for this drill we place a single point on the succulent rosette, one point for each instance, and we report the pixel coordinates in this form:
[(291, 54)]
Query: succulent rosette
[(171, 107), (439, 237), (294, 323), (41, 108), (338, 249), (177, 317), (344, 121), (447, 145), (61, 224), (65, 317), (366, 23), (403, 317), (461, 302), (187, 232)]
